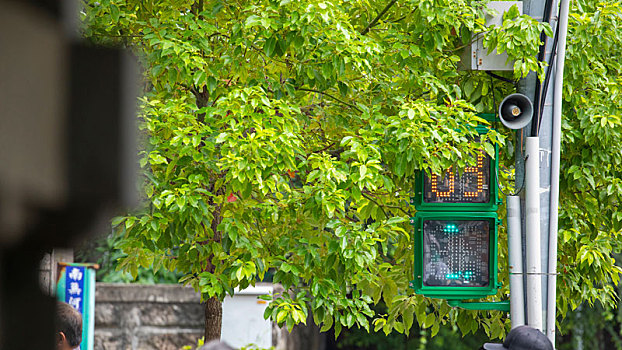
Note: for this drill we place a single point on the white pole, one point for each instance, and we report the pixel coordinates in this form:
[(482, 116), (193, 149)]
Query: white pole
[(532, 219), (515, 262), (555, 160)]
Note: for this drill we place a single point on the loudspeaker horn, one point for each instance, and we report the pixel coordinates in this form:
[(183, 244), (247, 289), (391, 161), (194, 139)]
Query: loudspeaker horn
[(516, 111)]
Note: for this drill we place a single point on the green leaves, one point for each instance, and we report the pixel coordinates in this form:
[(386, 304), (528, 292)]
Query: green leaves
[(269, 46), (245, 270), (222, 137), (591, 173), (287, 311), (277, 137), (519, 36), (252, 20)]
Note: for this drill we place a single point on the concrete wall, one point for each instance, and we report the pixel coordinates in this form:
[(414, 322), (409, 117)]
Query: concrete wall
[(168, 317), (142, 317), (49, 269)]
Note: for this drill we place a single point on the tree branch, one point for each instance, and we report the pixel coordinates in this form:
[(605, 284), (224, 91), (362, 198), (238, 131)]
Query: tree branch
[(324, 149), (197, 7), (118, 36), (331, 96), (218, 34), (376, 203), (398, 208), (367, 193), (375, 20)]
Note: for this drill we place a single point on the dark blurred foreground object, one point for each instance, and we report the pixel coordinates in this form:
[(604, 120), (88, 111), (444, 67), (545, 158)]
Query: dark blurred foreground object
[(67, 153), (215, 345), (522, 338)]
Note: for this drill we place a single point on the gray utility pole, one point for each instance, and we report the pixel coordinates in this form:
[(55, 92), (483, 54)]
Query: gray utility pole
[(535, 9), (547, 129)]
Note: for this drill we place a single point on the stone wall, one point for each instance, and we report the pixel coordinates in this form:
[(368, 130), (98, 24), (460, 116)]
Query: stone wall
[(48, 270), (145, 317), (169, 317)]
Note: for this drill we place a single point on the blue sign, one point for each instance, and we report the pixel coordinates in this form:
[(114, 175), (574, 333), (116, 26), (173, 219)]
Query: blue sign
[(74, 287)]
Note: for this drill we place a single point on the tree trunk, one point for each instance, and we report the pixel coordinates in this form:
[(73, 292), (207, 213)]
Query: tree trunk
[(213, 319), (213, 306)]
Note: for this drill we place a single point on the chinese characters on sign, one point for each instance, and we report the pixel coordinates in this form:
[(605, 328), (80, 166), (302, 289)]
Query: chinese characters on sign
[(74, 287)]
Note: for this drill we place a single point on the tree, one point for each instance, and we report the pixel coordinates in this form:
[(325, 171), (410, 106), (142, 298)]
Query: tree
[(284, 136), (591, 173)]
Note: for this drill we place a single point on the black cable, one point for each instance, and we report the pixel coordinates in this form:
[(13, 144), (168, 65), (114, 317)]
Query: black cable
[(537, 114), (494, 99), (537, 110), (500, 77), (523, 184), (547, 79), (494, 104), (521, 187), (499, 184)]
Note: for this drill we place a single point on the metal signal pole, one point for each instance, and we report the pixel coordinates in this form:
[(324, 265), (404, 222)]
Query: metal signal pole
[(546, 127)]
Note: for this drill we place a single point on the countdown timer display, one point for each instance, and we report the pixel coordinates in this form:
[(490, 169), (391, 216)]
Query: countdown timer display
[(456, 253), (472, 185), (471, 188)]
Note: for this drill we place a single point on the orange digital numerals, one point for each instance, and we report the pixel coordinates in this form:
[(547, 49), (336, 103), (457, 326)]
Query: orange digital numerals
[(480, 176), (451, 178), (452, 183)]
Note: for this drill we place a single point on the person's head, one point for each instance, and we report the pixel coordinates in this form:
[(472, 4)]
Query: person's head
[(522, 338), (68, 327)]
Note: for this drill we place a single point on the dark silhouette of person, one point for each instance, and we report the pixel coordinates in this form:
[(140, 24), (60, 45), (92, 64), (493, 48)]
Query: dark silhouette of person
[(522, 338)]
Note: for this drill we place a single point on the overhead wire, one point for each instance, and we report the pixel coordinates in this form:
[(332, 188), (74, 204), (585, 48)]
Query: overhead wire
[(541, 88), (537, 115), (507, 80), (548, 75)]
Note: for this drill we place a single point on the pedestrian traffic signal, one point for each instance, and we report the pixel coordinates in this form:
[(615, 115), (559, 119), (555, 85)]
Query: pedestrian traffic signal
[(455, 254), (456, 230)]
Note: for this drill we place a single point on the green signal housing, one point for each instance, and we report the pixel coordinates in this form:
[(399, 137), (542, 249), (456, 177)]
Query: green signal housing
[(455, 254), (474, 188)]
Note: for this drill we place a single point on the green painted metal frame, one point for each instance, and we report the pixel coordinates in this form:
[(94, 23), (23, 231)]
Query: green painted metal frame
[(481, 305), (492, 204), (455, 292)]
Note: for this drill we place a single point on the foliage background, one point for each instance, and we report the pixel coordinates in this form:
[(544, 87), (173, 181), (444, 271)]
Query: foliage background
[(284, 135)]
